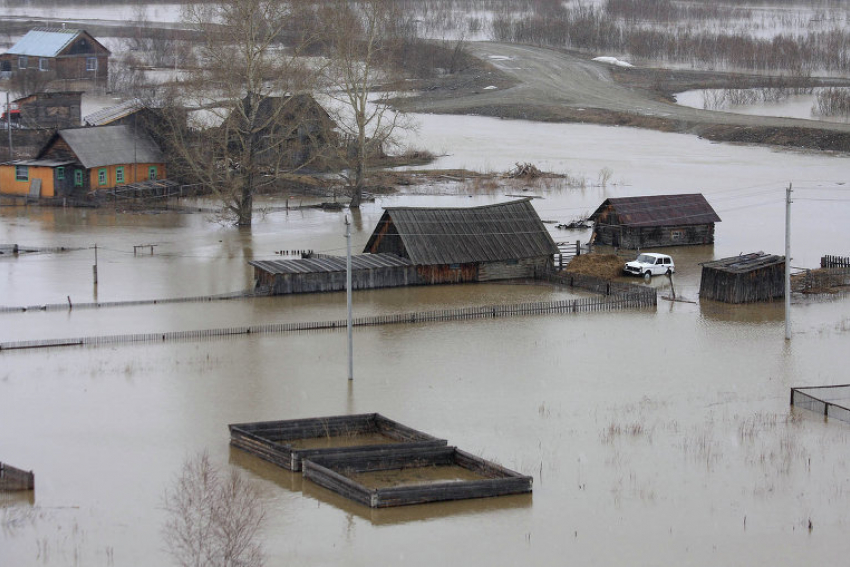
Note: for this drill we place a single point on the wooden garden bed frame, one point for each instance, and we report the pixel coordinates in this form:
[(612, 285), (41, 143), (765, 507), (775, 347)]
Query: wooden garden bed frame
[(273, 440), (334, 473)]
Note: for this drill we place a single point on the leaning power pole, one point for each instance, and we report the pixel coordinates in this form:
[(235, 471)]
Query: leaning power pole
[(788, 263)]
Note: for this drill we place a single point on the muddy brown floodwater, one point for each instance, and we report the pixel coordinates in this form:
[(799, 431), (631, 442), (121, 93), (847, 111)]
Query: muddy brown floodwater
[(657, 437)]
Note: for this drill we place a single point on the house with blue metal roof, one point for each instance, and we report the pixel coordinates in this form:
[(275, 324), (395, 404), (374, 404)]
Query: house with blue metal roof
[(69, 55)]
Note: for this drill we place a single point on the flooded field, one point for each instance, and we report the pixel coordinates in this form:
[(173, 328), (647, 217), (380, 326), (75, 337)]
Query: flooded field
[(654, 437)]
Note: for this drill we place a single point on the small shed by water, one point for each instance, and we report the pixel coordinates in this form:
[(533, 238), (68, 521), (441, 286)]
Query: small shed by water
[(748, 278), (653, 221)]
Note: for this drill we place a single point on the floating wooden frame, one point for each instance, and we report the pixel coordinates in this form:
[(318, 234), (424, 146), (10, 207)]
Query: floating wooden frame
[(347, 475), (287, 443)]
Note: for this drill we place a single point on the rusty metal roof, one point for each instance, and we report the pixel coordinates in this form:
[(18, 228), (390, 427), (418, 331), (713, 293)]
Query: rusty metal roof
[(659, 210), (323, 264), (745, 262), (434, 236)]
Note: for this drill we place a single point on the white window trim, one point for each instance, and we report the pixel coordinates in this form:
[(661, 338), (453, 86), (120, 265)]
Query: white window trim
[(91, 63), (23, 62), (43, 64)]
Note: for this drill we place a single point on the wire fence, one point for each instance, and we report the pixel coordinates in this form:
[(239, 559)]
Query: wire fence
[(829, 401), (582, 305)]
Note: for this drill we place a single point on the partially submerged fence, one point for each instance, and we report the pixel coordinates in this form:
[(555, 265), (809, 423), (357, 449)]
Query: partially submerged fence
[(830, 401), (12, 478), (633, 300), (128, 303)]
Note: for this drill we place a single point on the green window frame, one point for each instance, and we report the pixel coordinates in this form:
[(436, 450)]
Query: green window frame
[(119, 175), (78, 178), (60, 173), (102, 176), (22, 173), (152, 172)]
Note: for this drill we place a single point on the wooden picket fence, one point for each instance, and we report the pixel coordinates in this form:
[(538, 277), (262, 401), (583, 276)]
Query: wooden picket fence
[(835, 262), (634, 300)]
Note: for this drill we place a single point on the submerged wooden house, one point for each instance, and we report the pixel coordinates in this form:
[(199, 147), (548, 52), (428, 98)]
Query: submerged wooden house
[(748, 278), (471, 244), (653, 221)]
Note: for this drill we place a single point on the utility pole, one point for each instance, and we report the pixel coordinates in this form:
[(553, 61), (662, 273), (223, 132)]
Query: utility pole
[(348, 297), (788, 263), (94, 268), (9, 125)]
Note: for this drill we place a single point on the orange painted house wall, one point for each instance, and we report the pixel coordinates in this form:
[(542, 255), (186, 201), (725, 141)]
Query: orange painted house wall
[(11, 186), (132, 174)]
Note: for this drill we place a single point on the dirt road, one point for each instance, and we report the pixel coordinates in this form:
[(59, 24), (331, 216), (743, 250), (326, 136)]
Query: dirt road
[(550, 85)]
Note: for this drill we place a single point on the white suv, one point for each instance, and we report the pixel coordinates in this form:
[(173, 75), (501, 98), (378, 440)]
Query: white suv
[(650, 264)]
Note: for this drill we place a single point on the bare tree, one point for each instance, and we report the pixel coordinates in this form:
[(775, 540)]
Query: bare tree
[(249, 89), (26, 82), (359, 34), (213, 518)]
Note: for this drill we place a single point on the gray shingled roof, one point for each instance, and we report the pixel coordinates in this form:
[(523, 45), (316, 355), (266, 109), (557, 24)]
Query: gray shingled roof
[(111, 145), (434, 236), (660, 210), (44, 42), (323, 264)]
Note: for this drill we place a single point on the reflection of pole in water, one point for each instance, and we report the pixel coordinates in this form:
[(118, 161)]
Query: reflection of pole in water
[(788, 263), (94, 268)]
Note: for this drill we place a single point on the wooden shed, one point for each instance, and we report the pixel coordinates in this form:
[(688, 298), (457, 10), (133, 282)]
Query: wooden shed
[(327, 273), (471, 244), (747, 278), (653, 221), (65, 54)]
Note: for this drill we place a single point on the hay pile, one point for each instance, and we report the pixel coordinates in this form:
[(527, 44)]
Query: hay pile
[(606, 266)]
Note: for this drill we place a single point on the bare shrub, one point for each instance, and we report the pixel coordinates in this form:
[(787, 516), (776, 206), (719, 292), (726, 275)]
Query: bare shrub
[(832, 102), (213, 518)]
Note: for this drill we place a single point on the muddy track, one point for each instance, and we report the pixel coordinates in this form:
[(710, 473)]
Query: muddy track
[(554, 86)]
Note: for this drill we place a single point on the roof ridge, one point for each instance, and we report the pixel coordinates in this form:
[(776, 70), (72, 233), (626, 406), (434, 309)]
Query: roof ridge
[(492, 205)]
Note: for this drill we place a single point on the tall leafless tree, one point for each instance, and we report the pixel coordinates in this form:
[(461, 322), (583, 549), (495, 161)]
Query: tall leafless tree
[(245, 88), (358, 36)]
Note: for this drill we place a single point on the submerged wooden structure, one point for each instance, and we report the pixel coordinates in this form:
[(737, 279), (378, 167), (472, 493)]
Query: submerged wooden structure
[(467, 244), (447, 473), (653, 221), (13, 479), (426, 246), (287, 443), (327, 273), (747, 278), (376, 461)]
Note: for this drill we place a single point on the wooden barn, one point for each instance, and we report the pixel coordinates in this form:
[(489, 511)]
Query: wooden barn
[(472, 244), (653, 221), (748, 278), (64, 54)]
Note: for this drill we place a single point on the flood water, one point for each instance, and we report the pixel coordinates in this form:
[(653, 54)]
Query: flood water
[(654, 437)]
